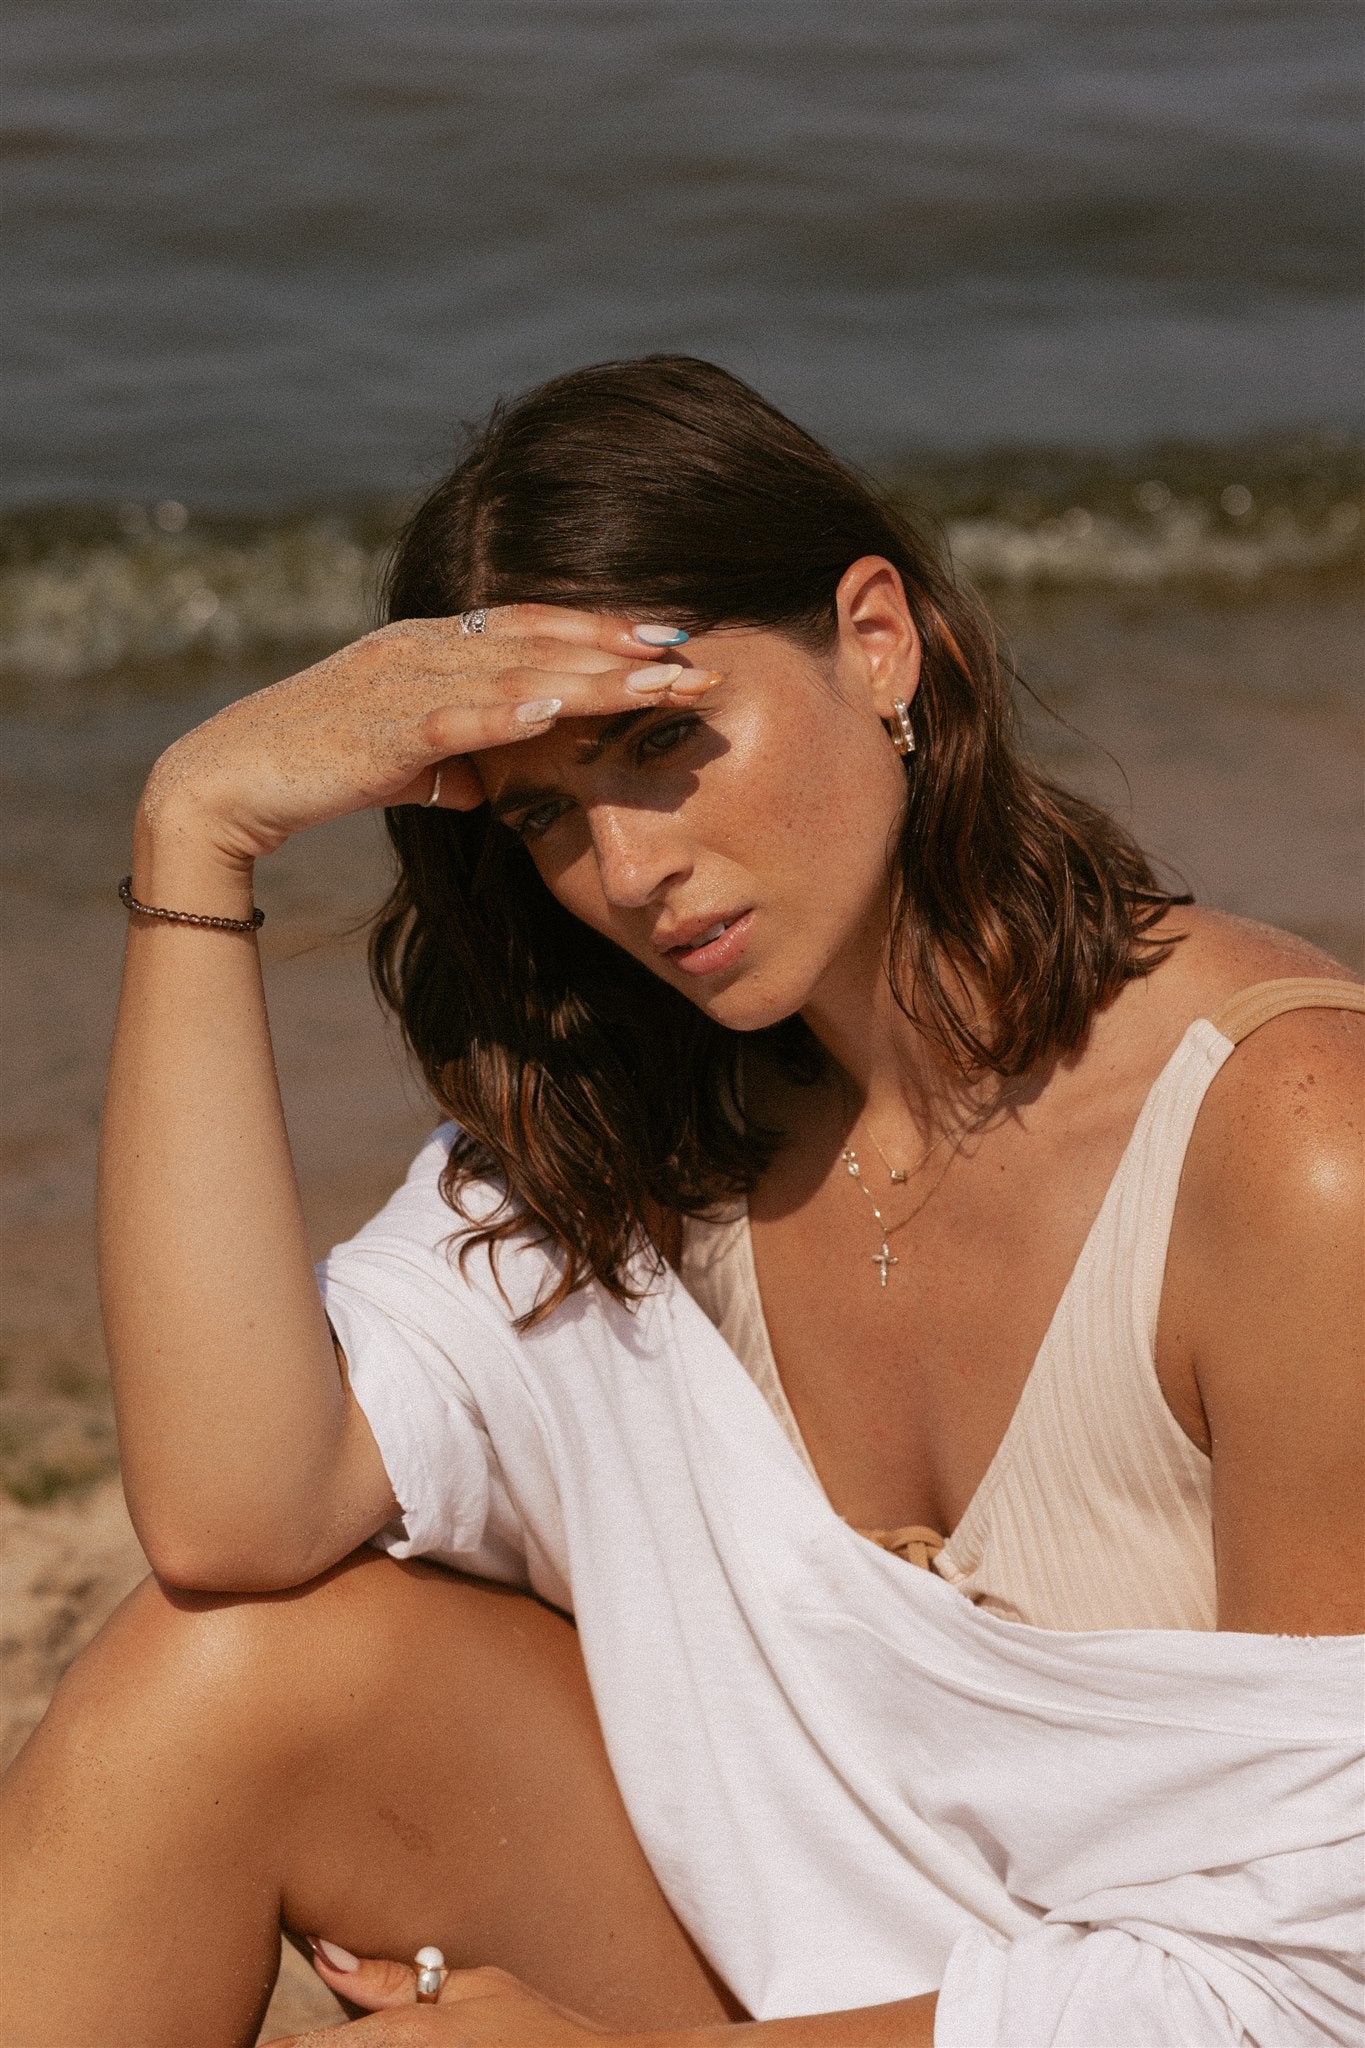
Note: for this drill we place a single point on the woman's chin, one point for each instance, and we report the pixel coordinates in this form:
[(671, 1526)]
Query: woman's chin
[(748, 1006)]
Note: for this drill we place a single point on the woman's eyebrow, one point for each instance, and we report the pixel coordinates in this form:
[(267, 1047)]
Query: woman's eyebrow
[(518, 795)]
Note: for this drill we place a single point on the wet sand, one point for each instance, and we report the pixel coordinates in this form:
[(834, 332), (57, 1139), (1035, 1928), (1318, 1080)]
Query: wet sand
[(1238, 730)]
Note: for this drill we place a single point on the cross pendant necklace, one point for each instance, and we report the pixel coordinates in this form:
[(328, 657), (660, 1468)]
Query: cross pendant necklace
[(885, 1259)]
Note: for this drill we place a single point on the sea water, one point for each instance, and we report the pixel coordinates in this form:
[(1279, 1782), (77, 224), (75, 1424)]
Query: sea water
[(274, 253), (1082, 276)]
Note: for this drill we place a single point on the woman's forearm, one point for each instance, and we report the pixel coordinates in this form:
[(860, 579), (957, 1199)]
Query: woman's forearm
[(234, 1422), (247, 1462), (907, 2023)]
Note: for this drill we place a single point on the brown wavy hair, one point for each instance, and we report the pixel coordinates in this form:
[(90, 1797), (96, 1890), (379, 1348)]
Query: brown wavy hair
[(598, 1097)]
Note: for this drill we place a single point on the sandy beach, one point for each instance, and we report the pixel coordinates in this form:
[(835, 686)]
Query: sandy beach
[(1237, 728)]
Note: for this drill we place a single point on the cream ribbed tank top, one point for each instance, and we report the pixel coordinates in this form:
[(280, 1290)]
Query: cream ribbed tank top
[(1096, 1510)]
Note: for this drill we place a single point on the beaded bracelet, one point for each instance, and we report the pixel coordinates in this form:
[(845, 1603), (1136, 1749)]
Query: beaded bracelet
[(217, 924)]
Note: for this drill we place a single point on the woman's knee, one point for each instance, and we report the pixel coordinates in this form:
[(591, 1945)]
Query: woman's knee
[(346, 1643), (251, 1674)]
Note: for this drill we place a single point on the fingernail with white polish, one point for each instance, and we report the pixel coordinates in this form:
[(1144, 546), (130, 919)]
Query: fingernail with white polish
[(543, 712), (340, 1958), (661, 636), (658, 676)]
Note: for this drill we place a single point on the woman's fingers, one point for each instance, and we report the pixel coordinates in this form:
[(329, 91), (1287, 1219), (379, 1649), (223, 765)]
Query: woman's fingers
[(588, 629), (483, 2008), (596, 650), (534, 701), (599, 693), (449, 785), (364, 1980), (370, 724)]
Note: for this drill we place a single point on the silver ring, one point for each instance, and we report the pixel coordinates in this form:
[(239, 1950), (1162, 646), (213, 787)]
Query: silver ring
[(435, 788), (475, 621), (429, 1964)]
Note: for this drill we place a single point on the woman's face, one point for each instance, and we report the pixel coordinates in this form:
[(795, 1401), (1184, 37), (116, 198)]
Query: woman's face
[(738, 848)]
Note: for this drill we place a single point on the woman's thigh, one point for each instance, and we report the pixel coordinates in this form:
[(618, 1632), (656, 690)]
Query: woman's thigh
[(388, 1757), (476, 1795)]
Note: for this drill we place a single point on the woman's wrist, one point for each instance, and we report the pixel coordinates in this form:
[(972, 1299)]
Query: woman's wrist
[(177, 865)]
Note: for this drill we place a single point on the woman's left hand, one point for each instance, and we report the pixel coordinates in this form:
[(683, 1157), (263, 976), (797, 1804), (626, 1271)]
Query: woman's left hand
[(476, 2008), (491, 2009)]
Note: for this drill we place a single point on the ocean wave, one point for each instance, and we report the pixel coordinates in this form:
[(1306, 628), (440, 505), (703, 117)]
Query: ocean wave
[(86, 590), (1239, 518)]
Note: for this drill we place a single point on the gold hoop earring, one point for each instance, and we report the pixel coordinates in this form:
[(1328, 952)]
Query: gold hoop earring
[(902, 732)]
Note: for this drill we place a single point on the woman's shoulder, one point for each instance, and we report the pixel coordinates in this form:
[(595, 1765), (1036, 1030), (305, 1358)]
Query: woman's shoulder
[(1261, 1296), (1214, 961), (1218, 956), (1287, 1101)]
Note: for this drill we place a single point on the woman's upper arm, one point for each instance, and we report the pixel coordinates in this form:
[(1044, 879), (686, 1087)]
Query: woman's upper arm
[(1268, 1273), (365, 1491)]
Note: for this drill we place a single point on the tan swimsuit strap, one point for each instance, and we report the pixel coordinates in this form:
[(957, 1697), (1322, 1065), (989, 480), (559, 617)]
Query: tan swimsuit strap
[(1251, 1007)]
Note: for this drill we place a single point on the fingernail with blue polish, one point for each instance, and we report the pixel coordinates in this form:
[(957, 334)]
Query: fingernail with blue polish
[(661, 636)]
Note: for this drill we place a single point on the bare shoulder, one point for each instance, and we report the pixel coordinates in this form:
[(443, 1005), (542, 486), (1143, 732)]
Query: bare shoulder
[(1263, 1304), (1290, 1095), (1219, 955), (1279, 1141)]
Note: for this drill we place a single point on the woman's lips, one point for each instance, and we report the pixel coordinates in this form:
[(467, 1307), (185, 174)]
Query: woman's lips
[(714, 954)]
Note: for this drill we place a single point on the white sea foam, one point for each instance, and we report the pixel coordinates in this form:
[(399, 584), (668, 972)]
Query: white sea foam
[(84, 591), (1182, 545)]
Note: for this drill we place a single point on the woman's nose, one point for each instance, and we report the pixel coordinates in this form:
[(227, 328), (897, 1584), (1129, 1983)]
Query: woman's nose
[(637, 852)]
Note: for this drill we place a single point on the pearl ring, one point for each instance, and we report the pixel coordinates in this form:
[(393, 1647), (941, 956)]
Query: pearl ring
[(428, 1963)]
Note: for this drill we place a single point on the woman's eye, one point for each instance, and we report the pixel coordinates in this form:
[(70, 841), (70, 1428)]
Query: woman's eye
[(537, 821), (654, 741), (661, 739)]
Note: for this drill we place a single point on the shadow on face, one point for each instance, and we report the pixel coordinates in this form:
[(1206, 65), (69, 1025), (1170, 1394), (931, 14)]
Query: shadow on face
[(773, 801)]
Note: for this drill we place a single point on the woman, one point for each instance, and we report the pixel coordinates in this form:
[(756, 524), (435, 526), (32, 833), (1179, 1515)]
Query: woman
[(846, 1143)]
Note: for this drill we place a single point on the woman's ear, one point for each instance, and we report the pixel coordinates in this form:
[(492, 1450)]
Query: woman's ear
[(879, 643)]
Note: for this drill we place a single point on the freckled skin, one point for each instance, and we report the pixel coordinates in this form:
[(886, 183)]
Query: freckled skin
[(785, 799), (778, 794), (367, 726)]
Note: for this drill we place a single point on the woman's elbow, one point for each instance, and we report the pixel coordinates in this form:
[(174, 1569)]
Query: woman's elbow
[(202, 1560)]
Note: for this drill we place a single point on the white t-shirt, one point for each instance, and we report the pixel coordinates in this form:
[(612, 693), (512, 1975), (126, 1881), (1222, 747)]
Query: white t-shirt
[(853, 1785)]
